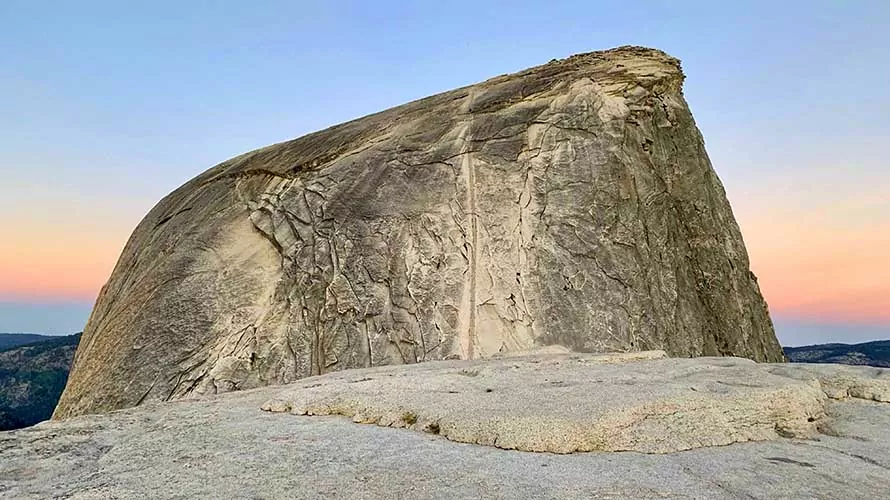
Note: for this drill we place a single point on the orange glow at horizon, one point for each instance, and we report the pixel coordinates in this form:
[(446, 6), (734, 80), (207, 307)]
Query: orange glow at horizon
[(52, 264), (820, 266), (825, 262)]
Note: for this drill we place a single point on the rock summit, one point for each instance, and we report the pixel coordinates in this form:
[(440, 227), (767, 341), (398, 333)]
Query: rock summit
[(570, 204)]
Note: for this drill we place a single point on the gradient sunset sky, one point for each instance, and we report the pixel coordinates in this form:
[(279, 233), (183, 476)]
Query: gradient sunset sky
[(106, 107)]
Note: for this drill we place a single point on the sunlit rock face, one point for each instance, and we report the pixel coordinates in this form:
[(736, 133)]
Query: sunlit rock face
[(570, 204)]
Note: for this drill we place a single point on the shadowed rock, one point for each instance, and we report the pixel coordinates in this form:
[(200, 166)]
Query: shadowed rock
[(570, 204)]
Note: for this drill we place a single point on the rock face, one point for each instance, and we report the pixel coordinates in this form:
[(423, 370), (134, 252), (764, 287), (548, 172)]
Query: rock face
[(570, 204), (750, 430)]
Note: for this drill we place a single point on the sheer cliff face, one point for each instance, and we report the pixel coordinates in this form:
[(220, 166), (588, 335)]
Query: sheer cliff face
[(570, 204)]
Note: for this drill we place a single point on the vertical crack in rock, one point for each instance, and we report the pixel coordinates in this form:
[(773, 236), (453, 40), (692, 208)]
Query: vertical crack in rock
[(468, 167)]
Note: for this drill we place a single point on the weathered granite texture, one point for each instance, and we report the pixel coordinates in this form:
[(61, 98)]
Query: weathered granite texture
[(572, 203), (226, 447), (569, 403)]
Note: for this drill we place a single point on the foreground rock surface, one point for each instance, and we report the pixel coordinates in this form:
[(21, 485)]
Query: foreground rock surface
[(571, 204), (571, 403), (226, 447)]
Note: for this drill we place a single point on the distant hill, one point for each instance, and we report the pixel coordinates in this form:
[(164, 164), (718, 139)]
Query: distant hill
[(32, 377), (870, 353), (8, 340)]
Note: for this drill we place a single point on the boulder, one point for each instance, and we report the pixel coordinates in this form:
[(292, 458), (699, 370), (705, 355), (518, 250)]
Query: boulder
[(571, 204)]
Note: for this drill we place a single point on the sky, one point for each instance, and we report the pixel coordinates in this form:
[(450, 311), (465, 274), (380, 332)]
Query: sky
[(105, 107)]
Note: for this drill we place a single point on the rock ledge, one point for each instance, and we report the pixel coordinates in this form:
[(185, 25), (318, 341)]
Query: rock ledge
[(575, 403)]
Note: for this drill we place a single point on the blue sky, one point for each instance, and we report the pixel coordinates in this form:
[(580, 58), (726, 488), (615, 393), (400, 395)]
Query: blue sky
[(108, 106)]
